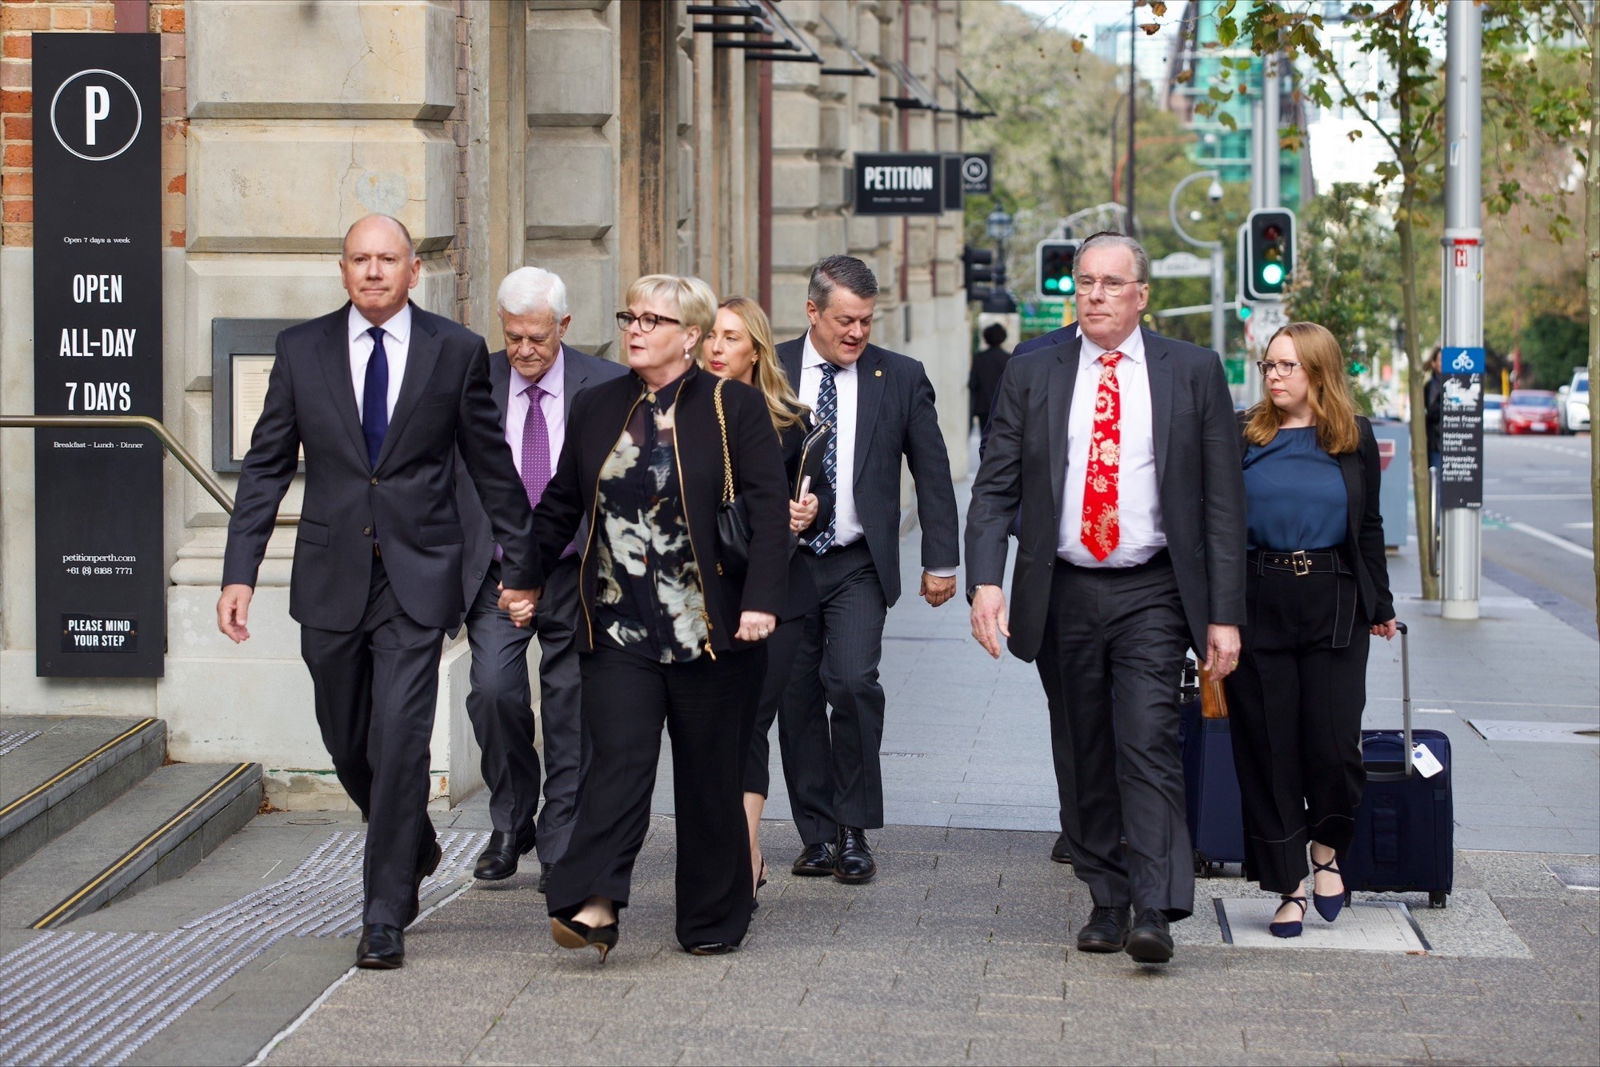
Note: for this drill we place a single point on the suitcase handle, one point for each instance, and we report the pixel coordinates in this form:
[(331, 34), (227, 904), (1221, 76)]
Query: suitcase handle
[(1406, 770)]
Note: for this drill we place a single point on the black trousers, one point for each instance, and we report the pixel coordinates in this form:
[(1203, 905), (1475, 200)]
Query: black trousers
[(705, 705), (781, 649), (375, 689), (830, 762), (500, 708), (1296, 704), (1111, 663)]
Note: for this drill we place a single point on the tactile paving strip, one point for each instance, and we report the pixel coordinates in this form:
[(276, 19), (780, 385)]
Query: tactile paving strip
[(70, 997), (11, 740)]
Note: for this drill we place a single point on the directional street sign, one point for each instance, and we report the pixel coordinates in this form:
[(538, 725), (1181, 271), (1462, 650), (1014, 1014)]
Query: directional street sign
[(1180, 265)]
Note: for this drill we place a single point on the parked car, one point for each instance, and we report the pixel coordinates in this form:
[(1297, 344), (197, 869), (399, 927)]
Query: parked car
[(1531, 411), (1493, 409), (1575, 410)]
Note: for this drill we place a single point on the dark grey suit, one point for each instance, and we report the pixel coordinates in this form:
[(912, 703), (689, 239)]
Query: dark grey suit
[(372, 627), (832, 768), (1110, 642), (499, 703)]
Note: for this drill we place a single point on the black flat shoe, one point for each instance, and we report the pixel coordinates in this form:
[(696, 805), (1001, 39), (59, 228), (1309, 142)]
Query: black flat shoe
[(815, 861), (1289, 929), (853, 863), (382, 948), (711, 948), (1106, 930), (1150, 940), (570, 933), (1327, 906), (498, 860), (1060, 852)]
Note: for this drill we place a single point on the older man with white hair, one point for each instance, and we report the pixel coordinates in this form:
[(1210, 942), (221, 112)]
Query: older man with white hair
[(534, 379)]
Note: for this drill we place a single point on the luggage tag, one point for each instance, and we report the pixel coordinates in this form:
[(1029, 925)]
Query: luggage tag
[(1426, 763)]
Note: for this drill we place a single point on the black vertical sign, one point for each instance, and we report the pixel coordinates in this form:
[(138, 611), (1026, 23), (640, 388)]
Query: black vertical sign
[(101, 608)]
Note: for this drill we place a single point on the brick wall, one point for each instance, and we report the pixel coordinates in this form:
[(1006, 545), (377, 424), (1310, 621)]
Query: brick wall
[(19, 20)]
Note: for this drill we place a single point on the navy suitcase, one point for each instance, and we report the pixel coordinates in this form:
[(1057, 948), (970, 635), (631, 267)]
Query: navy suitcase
[(1211, 790), (1405, 828)]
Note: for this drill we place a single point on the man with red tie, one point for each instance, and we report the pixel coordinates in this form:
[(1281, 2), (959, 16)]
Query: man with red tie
[(1120, 447), (533, 381)]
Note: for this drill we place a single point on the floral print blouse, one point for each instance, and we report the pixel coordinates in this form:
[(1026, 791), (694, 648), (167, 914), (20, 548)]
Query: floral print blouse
[(650, 601)]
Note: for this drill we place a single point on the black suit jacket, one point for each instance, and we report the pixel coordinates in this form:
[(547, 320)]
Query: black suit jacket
[(407, 501), (579, 371), (1363, 540), (895, 416), (1200, 485), (597, 419)]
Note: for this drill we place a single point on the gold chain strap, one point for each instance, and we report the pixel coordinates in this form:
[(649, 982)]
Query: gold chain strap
[(722, 424)]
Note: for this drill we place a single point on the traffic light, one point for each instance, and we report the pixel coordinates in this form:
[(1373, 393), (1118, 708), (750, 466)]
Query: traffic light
[(1269, 253), (1053, 259), (976, 272)]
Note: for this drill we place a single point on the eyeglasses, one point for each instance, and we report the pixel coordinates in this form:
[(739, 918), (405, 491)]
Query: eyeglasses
[(1281, 368), (1112, 286), (647, 322)]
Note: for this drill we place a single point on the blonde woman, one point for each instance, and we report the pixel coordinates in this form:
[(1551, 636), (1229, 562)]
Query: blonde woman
[(741, 350), (1317, 589), (667, 635)]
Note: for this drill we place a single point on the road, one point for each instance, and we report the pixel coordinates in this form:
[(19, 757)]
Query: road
[(1538, 527)]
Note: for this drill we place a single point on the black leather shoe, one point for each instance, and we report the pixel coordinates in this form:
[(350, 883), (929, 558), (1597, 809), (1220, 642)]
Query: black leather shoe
[(1150, 941), (1060, 852), (382, 948), (852, 862), (1106, 930), (544, 877), (711, 948), (814, 861), (498, 860)]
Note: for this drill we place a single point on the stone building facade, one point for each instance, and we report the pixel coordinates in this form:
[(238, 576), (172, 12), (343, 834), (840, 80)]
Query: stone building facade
[(601, 139)]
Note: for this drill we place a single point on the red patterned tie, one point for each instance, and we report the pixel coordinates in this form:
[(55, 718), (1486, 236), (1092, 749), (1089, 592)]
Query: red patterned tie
[(1100, 524)]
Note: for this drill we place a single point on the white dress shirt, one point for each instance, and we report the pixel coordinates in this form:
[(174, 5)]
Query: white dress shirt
[(1138, 498), (396, 345), (846, 520), (555, 410)]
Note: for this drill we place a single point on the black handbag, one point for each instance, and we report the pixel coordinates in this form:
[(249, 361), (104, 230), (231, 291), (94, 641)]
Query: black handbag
[(733, 521)]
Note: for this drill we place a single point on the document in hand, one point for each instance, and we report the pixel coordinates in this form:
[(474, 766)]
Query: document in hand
[(813, 450)]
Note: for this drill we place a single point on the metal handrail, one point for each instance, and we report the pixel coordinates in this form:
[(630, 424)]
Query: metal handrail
[(155, 426)]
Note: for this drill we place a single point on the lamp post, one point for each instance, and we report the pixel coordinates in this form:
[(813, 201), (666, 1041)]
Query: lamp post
[(999, 226), (1218, 299)]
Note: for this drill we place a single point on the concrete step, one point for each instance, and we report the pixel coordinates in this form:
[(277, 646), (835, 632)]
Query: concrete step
[(58, 770), (153, 833)]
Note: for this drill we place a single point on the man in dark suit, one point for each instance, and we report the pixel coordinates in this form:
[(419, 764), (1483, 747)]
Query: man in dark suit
[(381, 395), (533, 380), (987, 366), (1059, 336), (882, 406), (1121, 447)]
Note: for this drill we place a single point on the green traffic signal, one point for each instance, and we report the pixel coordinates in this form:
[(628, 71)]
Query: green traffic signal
[(1244, 311), (1053, 259), (1272, 274)]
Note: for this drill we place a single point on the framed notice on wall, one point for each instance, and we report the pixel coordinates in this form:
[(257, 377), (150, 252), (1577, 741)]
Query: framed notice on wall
[(101, 575), (241, 361)]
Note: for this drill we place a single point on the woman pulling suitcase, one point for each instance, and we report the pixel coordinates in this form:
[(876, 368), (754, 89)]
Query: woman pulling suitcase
[(1317, 585)]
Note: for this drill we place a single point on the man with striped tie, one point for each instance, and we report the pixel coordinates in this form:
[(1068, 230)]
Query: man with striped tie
[(881, 405), (534, 380), (1121, 448)]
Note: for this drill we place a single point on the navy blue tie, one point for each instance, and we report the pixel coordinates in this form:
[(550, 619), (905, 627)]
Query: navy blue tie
[(828, 412), (375, 398)]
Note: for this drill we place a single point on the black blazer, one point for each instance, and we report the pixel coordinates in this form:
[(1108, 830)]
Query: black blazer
[(407, 501), (598, 417), (579, 371), (896, 416), (1363, 539), (1198, 473)]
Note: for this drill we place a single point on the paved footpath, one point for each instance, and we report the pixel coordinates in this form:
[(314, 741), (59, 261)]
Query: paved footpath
[(961, 951)]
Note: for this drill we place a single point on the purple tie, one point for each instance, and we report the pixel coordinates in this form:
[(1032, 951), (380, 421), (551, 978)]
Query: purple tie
[(535, 447)]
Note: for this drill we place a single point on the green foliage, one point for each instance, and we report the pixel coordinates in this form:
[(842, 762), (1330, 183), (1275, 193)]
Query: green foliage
[(1345, 247), (1552, 347)]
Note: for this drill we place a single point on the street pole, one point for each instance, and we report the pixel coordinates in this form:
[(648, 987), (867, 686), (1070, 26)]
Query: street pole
[(1270, 169), (1462, 256), (1219, 298), (1133, 89)]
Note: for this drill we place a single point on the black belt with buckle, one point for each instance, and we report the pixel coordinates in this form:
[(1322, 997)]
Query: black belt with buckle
[(1299, 562)]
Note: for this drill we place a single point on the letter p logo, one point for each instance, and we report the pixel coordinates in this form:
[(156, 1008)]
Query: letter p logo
[(96, 109), (107, 121)]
